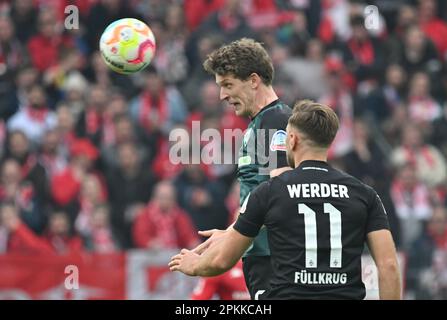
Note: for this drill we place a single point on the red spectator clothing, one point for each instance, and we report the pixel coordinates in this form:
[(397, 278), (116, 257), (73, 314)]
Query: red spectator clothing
[(227, 286), (102, 240), (414, 202), (342, 104), (440, 240), (64, 244), (363, 52), (162, 166), (93, 121), (83, 220), (436, 30), (24, 241), (65, 186), (44, 51), (198, 10), (152, 110), (172, 229), (230, 120)]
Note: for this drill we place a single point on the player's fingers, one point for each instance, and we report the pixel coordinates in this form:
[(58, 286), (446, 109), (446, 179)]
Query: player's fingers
[(176, 257), (201, 247), (172, 263), (207, 233), (184, 251)]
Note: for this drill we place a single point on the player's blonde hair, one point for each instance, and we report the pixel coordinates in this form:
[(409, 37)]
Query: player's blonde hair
[(317, 122)]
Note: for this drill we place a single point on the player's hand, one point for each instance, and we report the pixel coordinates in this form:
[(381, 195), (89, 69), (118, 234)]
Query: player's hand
[(184, 262), (214, 236)]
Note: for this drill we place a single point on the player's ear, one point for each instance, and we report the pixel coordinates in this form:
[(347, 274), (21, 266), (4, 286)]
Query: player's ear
[(255, 80), (292, 140)]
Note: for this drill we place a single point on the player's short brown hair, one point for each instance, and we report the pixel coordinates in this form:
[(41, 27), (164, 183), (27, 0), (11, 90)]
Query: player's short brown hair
[(317, 122), (241, 58)]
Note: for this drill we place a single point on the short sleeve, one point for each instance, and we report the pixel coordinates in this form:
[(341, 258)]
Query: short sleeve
[(274, 143), (377, 216), (253, 211)]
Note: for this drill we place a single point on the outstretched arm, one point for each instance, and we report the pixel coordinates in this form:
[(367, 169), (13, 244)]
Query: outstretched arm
[(216, 259), (381, 246)]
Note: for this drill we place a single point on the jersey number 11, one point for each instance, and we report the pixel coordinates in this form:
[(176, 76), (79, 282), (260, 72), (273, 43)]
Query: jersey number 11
[(310, 233)]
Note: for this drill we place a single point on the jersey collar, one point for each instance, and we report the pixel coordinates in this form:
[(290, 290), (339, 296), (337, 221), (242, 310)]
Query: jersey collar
[(313, 163), (270, 105)]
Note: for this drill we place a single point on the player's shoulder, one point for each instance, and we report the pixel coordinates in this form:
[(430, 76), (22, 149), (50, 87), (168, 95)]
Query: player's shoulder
[(275, 115), (277, 108)]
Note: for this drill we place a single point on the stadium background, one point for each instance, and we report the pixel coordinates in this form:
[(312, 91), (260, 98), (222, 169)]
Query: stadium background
[(85, 152)]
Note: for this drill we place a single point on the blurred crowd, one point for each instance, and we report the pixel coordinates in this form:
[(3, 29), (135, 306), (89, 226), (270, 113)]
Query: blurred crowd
[(85, 151)]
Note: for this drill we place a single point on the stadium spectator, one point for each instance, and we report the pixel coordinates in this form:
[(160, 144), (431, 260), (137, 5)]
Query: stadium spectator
[(362, 54), (159, 107), (201, 198), (171, 34), (100, 238), (12, 56), (426, 159), (431, 242), (51, 155), (123, 131), (24, 15), (17, 237), (20, 192), (45, 47), (422, 107), (306, 70), (382, 102), (439, 132), (133, 173), (366, 162), (433, 27), (66, 185), (340, 99), (36, 117), (19, 148), (65, 127), (60, 235), (413, 205), (416, 52), (90, 121), (91, 195), (162, 224)]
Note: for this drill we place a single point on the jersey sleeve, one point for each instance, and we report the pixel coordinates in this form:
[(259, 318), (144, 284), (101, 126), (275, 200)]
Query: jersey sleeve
[(377, 216), (253, 211), (274, 143)]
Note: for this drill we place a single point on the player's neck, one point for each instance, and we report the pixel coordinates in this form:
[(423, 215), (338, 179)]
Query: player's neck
[(265, 96), (310, 155)]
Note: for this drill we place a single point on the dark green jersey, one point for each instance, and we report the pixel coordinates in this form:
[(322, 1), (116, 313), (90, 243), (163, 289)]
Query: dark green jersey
[(263, 149)]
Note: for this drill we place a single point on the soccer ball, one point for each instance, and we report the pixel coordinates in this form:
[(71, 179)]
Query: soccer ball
[(127, 45)]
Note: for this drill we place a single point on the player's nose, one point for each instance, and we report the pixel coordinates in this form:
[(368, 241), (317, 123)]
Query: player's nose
[(223, 94)]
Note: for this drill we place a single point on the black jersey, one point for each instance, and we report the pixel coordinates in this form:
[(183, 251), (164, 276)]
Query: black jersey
[(263, 149), (317, 220)]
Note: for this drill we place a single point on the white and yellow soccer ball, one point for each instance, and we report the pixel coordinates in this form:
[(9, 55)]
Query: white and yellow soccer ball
[(127, 45)]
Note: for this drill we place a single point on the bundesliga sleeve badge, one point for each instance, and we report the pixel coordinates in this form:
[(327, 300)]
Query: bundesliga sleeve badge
[(278, 141)]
